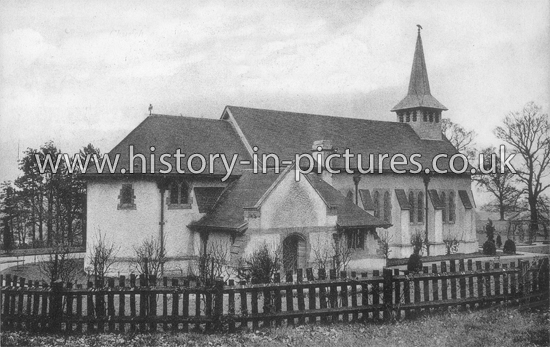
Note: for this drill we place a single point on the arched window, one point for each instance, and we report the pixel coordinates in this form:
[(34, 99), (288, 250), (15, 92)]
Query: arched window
[(444, 211), (408, 116), (400, 115), (376, 198), (411, 211), (431, 117), (452, 210), (420, 207), (387, 207), (414, 115)]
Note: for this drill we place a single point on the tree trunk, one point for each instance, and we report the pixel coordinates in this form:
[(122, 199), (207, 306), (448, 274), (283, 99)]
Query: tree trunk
[(534, 225)]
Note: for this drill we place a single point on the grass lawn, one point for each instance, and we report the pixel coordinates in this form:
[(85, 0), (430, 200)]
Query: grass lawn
[(507, 327)]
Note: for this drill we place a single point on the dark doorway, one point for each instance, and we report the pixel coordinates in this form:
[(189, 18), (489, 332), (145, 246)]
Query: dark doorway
[(294, 252)]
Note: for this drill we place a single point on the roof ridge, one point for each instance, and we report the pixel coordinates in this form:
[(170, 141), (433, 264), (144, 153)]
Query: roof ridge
[(181, 116), (321, 115)]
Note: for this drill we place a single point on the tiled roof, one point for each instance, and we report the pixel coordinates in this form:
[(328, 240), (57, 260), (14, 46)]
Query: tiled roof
[(402, 199), (228, 212), (465, 199), (207, 197), (348, 214), (248, 190), (289, 133), (419, 86), (366, 199), (190, 135)]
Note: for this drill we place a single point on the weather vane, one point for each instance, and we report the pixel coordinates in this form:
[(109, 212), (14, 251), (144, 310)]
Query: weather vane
[(419, 27)]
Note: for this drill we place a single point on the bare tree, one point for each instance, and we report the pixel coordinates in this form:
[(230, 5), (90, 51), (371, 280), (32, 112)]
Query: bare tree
[(463, 140), (323, 253), (101, 257), (150, 256), (528, 132), (333, 254), (212, 264), (61, 264), (342, 253), (499, 183), (384, 240)]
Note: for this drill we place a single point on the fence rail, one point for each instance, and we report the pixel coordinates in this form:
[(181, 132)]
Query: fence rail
[(143, 304)]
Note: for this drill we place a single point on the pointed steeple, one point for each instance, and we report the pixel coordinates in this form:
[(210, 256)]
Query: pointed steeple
[(419, 86)]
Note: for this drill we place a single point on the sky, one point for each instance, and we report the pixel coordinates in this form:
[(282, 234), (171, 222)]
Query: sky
[(79, 72)]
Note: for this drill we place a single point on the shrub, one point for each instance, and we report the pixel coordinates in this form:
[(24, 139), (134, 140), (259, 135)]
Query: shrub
[(417, 241), (499, 241), (260, 266), (489, 248), (415, 263), (509, 247)]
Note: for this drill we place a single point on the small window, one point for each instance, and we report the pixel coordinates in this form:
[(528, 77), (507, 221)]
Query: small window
[(452, 209), (408, 117), (179, 195), (420, 207), (355, 239), (400, 115), (387, 207), (126, 197), (414, 115), (445, 206), (437, 117), (424, 116), (431, 117), (411, 210)]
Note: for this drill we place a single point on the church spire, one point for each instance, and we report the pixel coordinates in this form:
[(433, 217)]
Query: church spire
[(419, 86), (419, 108)]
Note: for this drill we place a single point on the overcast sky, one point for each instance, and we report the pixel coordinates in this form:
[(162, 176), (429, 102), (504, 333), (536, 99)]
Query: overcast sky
[(85, 72)]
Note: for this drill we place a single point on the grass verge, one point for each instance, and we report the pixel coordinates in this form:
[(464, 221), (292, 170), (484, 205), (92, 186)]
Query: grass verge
[(506, 327)]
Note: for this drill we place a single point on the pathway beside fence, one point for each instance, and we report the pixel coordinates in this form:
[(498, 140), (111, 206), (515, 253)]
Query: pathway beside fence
[(145, 304)]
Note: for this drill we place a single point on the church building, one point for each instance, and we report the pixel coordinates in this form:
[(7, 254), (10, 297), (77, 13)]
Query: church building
[(303, 215)]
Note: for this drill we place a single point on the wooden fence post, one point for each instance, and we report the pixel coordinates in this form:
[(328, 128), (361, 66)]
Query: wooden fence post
[(218, 304), (388, 290), (56, 306), (523, 273)]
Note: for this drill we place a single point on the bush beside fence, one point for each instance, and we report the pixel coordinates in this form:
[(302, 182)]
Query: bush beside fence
[(145, 304)]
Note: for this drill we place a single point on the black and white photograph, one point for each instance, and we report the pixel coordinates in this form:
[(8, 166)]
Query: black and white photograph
[(275, 173)]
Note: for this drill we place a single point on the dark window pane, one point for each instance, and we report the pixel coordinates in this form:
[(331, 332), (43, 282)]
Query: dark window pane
[(174, 190)]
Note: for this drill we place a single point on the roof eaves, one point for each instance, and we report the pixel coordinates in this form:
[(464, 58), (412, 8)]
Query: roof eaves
[(319, 193)]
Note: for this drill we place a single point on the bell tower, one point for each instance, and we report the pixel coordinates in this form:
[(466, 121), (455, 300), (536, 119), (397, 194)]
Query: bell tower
[(419, 108)]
